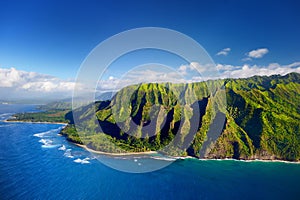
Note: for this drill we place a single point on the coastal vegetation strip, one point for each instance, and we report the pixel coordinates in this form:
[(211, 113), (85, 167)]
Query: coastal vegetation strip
[(49, 116)]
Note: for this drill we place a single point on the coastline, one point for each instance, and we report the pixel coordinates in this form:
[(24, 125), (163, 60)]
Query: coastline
[(113, 154), (251, 160), (180, 157), (153, 152), (16, 121)]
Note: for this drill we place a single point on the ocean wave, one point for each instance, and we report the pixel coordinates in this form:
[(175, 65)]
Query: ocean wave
[(62, 148), (82, 161), (44, 134), (41, 135), (68, 154), (46, 141), (164, 158), (50, 146)]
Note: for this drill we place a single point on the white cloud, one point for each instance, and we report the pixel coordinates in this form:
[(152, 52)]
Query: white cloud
[(147, 75), (188, 73), (21, 84), (225, 71), (224, 52), (184, 69), (257, 53), (195, 67), (230, 71), (225, 67)]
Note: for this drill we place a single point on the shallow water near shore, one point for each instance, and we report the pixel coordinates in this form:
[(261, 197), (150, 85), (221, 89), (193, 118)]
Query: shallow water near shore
[(37, 163)]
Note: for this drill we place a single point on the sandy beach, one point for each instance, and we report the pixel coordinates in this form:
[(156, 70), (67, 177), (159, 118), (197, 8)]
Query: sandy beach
[(115, 154)]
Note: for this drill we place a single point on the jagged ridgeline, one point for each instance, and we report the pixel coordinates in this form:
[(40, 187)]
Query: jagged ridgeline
[(151, 116), (259, 118)]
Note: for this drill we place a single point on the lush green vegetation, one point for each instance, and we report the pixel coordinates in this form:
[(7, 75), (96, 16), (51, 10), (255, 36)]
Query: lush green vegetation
[(261, 119), (55, 112), (52, 116)]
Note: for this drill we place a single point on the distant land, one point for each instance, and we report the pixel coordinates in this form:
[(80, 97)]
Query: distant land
[(261, 119)]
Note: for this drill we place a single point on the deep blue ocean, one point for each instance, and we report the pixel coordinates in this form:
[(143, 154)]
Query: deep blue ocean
[(36, 163)]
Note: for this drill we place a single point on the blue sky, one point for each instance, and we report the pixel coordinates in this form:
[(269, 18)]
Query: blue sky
[(54, 37)]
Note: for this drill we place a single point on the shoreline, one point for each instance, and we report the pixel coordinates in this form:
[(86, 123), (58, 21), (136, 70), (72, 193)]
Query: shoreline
[(113, 154), (153, 152), (250, 160), (16, 121), (180, 157)]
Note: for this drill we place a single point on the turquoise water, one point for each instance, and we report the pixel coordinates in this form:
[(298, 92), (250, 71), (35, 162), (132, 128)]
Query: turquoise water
[(36, 163)]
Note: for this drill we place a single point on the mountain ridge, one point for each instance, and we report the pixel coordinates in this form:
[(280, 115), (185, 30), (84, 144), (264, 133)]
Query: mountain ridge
[(261, 119)]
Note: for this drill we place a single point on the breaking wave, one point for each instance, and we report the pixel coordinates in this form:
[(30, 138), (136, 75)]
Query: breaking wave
[(82, 161)]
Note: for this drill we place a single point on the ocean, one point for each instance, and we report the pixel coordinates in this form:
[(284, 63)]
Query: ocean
[(37, 163)]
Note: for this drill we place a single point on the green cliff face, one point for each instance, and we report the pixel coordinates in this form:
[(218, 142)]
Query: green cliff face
[(260, 119), (263, 119)]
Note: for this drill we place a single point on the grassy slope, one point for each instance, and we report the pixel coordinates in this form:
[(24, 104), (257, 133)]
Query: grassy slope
[(262, 119)]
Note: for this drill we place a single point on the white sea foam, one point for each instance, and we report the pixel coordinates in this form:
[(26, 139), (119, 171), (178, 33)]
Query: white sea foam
[(68, 154), (41, 135), (62, 148), (50, 146), (82, 161), (163, 158), (44, 134), (46, 141)]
